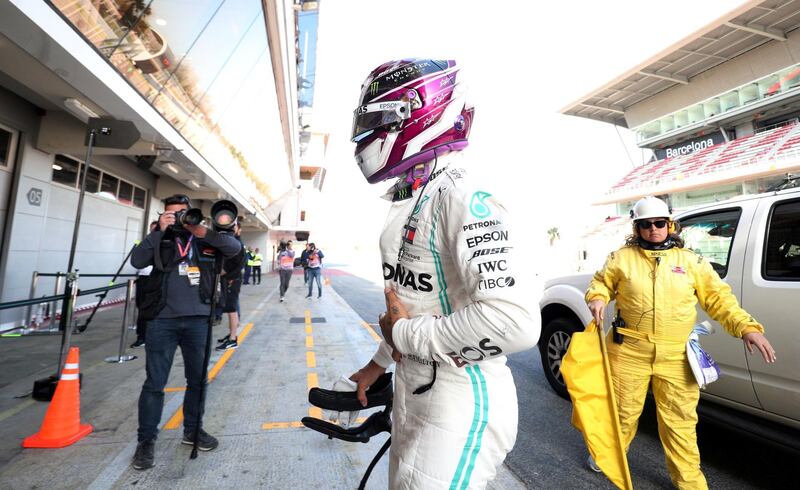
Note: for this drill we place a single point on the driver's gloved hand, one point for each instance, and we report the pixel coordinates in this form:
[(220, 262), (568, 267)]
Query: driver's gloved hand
[(345, 419)]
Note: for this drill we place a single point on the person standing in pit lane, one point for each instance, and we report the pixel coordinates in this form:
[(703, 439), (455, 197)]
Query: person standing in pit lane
[(248, 266), (315, 257), (141, 285), (286, 265), (230, 286), (455, 304), (304, 263), (257, 259), (657, 284), (178, 300)]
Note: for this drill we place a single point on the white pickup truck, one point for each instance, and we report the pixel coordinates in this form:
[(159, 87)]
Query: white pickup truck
[(753, 242)]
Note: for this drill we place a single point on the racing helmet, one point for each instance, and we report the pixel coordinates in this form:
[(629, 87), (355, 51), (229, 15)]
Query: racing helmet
[(409, 111), (650, 207)]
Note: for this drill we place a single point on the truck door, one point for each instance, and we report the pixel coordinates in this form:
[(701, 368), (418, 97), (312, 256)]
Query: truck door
[(771, 293), (720, 236)]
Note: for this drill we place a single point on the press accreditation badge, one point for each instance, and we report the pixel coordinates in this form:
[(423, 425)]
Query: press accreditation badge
[(183, 268), (194, 275)]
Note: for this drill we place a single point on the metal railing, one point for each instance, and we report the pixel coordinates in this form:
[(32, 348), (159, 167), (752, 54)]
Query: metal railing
[(49, 305), (70, 299)]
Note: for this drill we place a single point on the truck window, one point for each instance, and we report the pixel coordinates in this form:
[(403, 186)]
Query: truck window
[(782, 248), (711, 236)]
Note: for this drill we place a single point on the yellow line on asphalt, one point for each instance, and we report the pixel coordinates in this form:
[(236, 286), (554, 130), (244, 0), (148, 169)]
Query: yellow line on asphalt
[(281, 425), (311, 359), (296, 424), (371, 331), (309, 342), (309, 330), (175, 421), (228, 353), (308, 317), (312, 380), (177, 418)]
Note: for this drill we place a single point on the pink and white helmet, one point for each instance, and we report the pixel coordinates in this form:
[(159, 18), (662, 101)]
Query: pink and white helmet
[(409, 112)]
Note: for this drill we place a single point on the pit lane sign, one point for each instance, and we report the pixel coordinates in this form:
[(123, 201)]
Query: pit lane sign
[(35, 196)]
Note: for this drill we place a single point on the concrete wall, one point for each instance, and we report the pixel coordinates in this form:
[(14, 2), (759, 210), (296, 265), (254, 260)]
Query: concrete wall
[(20, 117), (748, 67), (38, 237)]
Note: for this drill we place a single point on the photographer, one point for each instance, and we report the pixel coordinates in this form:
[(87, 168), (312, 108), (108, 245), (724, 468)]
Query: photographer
[(230, 286), (304, 263), (141, 286), (315, 257), (186, 258), (286, 264)]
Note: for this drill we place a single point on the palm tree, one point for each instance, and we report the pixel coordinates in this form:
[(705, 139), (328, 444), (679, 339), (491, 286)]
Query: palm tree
[(553, 234)]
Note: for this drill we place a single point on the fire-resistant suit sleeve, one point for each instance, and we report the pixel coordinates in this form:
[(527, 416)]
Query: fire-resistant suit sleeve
[(604, 282), (478, 247), (716, 298), (383, 357)]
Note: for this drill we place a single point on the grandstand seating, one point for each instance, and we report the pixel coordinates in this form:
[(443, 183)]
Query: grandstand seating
[(761, 147)]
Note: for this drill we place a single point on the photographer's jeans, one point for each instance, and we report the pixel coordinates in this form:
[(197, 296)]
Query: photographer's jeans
[(315, 273), (163, 337)]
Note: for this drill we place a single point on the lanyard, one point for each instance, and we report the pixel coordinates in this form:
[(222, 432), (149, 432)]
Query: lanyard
[(184, 250)]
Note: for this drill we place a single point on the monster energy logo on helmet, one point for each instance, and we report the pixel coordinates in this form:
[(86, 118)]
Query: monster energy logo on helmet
[(401, 72)]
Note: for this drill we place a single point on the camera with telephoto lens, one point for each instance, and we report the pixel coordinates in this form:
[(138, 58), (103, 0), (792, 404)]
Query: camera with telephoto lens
[(223, 216), (193, 217)]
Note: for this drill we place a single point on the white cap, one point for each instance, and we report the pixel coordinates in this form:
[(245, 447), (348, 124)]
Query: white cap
[(650, 207)]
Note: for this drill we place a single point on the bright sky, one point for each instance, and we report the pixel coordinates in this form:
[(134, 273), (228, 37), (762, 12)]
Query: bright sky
[(524, 61)]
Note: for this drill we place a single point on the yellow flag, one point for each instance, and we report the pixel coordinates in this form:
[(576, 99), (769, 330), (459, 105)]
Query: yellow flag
[(587, 374)]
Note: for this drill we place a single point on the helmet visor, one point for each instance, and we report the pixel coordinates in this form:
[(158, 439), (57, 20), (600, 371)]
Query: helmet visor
[(368, 117)]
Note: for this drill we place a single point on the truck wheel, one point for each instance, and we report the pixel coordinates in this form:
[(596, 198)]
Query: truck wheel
[(553, 344)]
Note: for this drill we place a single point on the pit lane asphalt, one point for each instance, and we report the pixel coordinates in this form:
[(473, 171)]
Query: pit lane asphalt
[(549, 452)]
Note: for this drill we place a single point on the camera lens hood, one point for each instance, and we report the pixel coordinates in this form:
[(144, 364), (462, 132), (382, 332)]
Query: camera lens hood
[(223, 214), (192, 217)]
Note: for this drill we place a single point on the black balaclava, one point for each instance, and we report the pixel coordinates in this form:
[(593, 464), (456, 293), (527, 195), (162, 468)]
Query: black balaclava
[(667, 244)]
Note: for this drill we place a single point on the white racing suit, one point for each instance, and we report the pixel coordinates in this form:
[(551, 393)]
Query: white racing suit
[(467, 311)]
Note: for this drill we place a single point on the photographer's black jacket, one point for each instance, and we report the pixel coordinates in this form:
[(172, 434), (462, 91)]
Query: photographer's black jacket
[(178, 296)]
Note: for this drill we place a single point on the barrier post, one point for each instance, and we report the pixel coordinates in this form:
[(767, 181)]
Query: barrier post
[(29, 308), (123, 338), (69, 308), (54, 307)]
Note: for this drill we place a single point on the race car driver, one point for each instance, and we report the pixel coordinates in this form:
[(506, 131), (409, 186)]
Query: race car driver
[(456, 305)]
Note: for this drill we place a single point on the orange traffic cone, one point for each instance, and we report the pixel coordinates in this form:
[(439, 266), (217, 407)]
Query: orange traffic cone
[(62, 422)]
